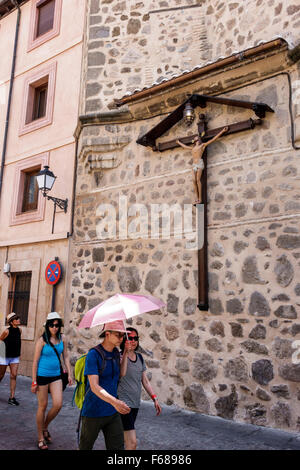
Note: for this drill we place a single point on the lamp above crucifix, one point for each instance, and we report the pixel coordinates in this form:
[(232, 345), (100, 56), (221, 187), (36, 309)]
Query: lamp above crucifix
[(188, 114)]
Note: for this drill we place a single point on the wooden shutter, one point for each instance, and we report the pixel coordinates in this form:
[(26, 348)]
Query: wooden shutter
[(45, 18), (31, 191), (40, 102)]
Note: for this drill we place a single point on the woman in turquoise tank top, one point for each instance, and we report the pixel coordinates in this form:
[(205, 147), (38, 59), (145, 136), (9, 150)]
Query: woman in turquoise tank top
[(46, 375)]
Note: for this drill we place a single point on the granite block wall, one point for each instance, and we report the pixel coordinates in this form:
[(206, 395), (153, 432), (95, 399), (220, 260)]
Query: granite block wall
[(134, 44), (239, 360)]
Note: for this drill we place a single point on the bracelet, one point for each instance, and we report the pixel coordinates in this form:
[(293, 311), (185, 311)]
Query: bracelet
[(33, 383), (154, 397)]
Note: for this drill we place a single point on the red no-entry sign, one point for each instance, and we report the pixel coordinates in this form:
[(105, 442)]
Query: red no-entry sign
[(53, 272)]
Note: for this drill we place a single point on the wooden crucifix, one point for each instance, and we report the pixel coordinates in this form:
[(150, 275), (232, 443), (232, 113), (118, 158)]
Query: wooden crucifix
[(199, 154), (200, 143), (197, 151), (199, 174)]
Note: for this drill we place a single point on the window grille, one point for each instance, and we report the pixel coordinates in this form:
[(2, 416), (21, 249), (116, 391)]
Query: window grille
[(19, 295)]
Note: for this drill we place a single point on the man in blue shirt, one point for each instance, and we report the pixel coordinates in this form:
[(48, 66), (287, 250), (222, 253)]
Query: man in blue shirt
[(101, 406)]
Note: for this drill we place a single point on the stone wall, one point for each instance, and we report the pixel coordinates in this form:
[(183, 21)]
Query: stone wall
[(237, 360), (132, 44)]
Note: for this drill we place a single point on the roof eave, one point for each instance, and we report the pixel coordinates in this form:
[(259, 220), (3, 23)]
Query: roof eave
[(7, 6), (186, 77)]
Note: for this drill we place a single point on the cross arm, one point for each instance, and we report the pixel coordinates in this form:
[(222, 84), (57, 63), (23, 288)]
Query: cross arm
[(260, 109), (232, 129)]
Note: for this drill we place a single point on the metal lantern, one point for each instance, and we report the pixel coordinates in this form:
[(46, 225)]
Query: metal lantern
[(188, 113), (45, 180)]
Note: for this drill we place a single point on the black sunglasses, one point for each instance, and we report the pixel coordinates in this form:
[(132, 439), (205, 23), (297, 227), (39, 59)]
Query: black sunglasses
[(54, 325), (14, 318), (133, 338)]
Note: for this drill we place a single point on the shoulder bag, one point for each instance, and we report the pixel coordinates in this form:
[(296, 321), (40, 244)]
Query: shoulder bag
[(64, 374)]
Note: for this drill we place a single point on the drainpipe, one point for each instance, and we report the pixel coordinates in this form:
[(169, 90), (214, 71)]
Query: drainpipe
[(70, 234), (12, 76)]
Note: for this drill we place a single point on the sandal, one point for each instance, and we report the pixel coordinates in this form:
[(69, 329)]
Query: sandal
[(42, 445), (47, 436)]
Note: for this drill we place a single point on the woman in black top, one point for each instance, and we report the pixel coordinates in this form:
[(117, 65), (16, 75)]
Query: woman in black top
[(12, 340)]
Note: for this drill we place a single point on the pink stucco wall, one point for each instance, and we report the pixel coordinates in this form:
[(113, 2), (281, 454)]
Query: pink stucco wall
[(56, 138)]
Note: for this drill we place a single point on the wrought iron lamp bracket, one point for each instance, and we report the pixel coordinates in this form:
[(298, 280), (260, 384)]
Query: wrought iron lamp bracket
[(61, 203)]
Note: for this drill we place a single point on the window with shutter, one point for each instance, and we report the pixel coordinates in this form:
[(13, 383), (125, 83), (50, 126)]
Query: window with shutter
[(45, 16), (28, 204), (38, 99), (45, 21)]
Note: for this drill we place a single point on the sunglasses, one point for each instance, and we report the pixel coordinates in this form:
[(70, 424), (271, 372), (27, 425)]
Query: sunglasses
[(54, 325), (133, 338)]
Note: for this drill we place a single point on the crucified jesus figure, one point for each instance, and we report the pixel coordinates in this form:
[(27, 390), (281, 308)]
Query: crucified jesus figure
[(198, 164)]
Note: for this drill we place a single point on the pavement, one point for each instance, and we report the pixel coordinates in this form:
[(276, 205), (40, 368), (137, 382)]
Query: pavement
[(174, 429)]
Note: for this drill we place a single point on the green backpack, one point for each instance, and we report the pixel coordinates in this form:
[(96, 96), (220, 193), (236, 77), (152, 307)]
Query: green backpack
[(79, 393), (81, 380)]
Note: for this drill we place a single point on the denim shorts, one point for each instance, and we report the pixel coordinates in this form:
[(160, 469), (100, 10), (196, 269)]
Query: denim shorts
[(9, 360)]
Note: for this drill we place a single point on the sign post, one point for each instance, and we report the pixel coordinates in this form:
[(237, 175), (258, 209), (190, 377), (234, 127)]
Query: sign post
[(53, 275)]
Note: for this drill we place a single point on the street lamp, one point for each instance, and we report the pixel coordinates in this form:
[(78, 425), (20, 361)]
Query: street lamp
[(45, 181)]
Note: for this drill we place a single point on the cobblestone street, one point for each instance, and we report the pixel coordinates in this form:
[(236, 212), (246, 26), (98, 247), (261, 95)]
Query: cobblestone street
[(174, 430)]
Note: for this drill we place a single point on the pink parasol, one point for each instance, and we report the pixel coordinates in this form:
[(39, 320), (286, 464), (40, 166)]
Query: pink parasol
[(120, 307)]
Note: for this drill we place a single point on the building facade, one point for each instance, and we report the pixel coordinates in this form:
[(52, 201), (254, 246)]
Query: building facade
[(40, 89), (237, 359)]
